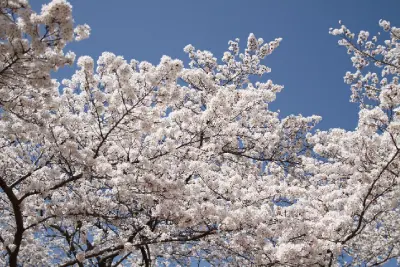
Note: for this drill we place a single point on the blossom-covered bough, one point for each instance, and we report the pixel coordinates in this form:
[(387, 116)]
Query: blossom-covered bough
[(129, 163), (356, 193)]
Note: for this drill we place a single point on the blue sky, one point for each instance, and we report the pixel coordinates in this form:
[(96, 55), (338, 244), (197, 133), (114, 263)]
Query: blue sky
[(309, 63)]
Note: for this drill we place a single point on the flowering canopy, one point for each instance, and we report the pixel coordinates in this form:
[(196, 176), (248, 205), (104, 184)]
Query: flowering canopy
[(132, 163)]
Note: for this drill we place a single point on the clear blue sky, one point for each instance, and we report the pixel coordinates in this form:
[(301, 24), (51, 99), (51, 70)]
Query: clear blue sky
[(309, 63)]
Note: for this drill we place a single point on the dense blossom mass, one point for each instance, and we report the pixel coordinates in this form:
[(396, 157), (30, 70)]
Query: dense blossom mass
[(133, 164)]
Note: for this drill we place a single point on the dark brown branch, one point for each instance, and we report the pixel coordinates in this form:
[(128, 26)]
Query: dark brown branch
[(19, 222)]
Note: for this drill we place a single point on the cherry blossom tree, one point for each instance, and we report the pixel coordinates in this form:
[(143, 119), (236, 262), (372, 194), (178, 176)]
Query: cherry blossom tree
[(31, 46), (129, 163), (354, 188)]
